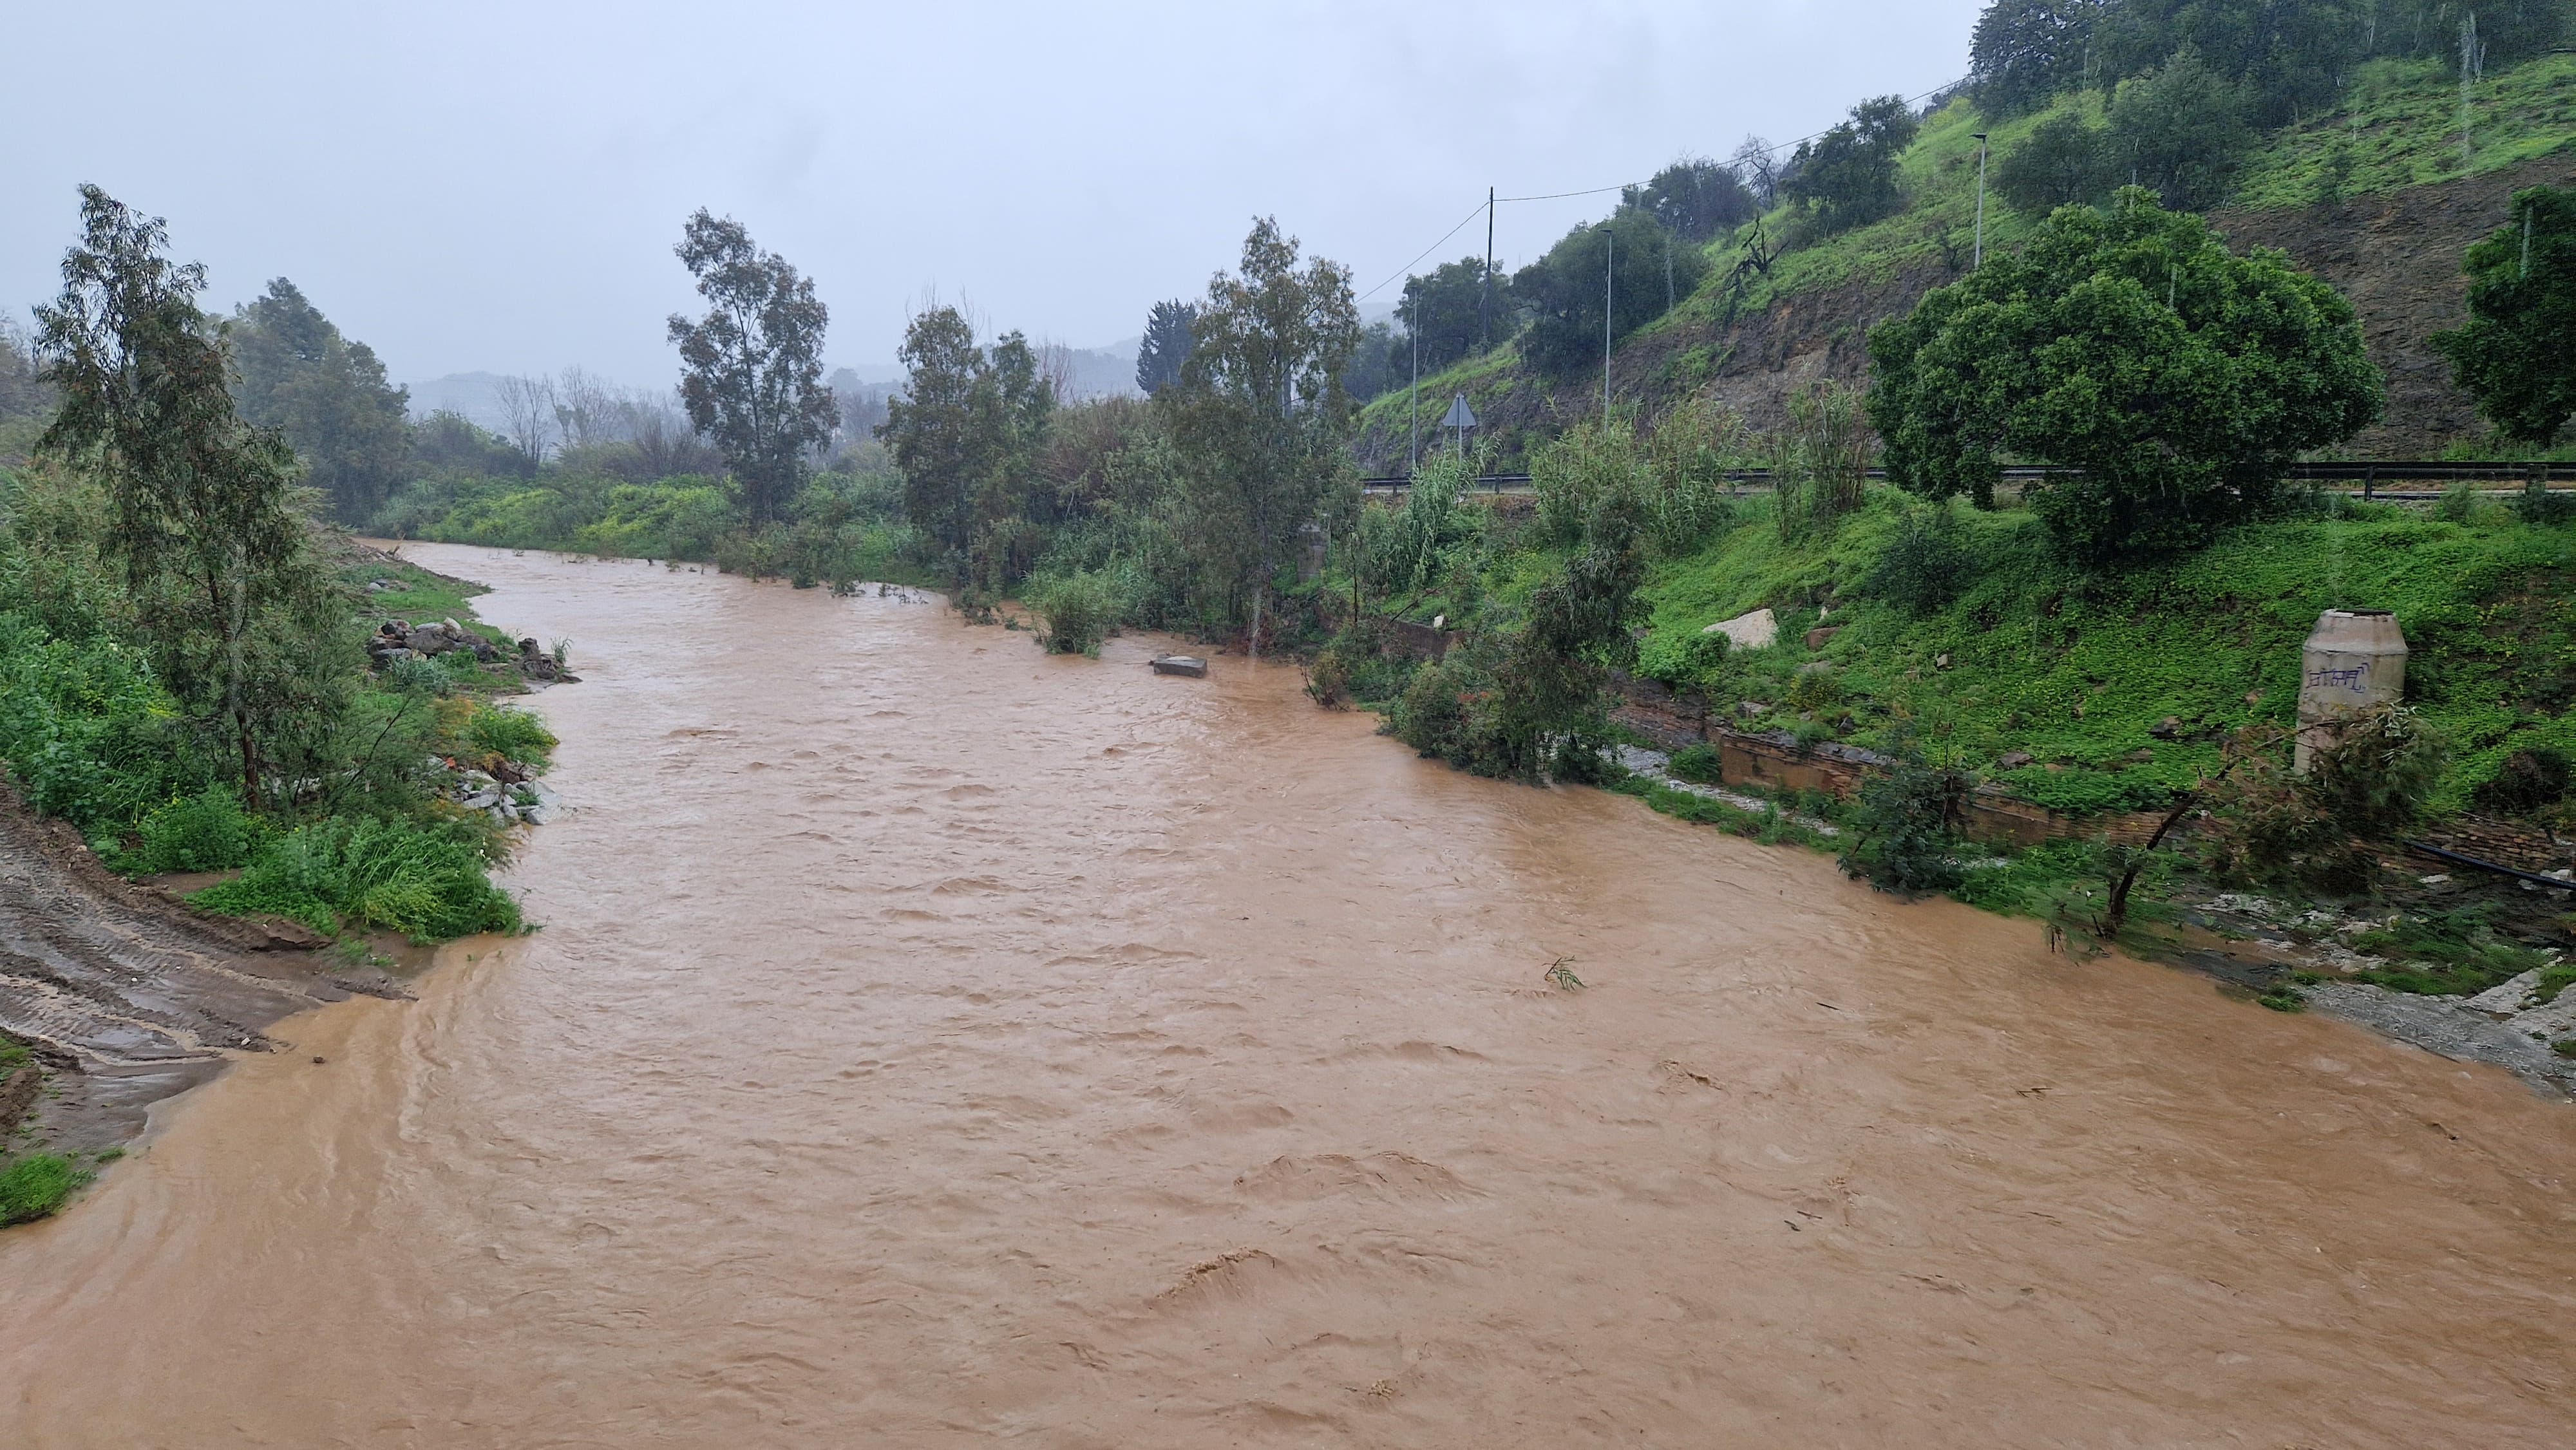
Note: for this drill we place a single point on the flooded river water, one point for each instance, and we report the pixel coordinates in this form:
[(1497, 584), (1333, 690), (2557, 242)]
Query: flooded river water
[(933, 1043)]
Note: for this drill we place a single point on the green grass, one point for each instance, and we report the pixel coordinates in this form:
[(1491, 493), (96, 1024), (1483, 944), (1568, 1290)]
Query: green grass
[(2077, 670), (2400, 127), (37, 1185)]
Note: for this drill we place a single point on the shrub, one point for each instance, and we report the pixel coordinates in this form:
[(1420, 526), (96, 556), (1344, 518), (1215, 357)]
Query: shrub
[(510, 733), (1927, 566), (1684, 660), (1698, 764), (2306, 832), (1328, 679), (208, 831), (2528, 782), (1905, 833), (428, 882), (36, 1185), (1078, 610)]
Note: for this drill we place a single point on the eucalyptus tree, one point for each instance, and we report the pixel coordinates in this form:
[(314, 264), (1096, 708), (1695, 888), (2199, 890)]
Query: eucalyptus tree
[(1260, 419), (240, 623), (752, 367)]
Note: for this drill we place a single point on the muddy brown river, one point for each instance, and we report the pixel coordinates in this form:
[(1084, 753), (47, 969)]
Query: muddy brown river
[(931, 1043)]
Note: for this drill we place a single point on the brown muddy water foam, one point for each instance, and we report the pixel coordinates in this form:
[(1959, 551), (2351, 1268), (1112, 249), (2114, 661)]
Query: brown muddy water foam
[(933, 1043)]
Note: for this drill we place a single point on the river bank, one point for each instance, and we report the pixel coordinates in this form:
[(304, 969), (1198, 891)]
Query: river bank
[(1076, 1055), (126, 979)]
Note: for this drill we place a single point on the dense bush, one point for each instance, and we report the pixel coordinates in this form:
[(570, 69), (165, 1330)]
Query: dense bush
[(1905, 832), (1077, 611), (87, 731), (208, 831), (1926, 565), (2080, 792), (509, 733), (1685, 661), (1698, 764), (427, 882)]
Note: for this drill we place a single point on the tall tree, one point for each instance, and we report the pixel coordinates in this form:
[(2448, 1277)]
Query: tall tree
[(1261, 420), (527, 415), (752, 368), (2061, 162), (2181, 131), (1695, 199), (295, 372), (2513, 355), (1168, 332), (1564, 290), (2180, 378), (2025, 51), (1443, 310), (1847, 177), (240, 622), (966, 431)]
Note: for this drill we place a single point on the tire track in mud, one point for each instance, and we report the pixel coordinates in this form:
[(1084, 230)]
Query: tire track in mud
[(124, 994)]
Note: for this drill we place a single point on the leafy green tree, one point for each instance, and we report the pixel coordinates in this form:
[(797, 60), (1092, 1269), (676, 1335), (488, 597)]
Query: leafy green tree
[(752, 375), (2065, 161), (1449, 310), (296, 373), (1382, 363), (2514, 355), (1563, 290), (242, 626), (1847, 177), (2181, 131), (1695, 199), (1260, 420), (966, 431), (2285, 60), (2181, 378), (1168, 332), (2025, 51)]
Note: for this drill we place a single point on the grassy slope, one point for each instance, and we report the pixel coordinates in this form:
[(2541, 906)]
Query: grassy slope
[(2076, 671), (2400, 128)]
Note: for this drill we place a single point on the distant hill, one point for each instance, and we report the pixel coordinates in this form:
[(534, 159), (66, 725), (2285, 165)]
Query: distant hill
[(475, 395)]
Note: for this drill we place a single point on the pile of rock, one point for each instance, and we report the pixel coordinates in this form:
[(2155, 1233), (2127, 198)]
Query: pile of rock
[(536, 664), (506, 791), (400, 639)]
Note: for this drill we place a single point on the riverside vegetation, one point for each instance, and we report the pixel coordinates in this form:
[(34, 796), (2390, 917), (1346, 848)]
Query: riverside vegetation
[(183, 670)]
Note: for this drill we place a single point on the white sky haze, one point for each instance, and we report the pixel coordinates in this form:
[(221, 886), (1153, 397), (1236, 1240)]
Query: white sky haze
[(497, 186)]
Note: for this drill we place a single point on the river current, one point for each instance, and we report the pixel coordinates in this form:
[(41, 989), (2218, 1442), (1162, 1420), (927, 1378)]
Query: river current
[(933, 1043)]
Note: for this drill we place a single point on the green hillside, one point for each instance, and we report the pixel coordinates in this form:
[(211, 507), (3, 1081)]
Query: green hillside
[(2398, 129)]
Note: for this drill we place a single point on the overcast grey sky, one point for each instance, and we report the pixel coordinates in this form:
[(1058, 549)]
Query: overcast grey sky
[(481, 185)]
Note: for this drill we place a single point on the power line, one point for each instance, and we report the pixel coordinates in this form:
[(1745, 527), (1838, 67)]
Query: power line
[(1407, 269), (1622, 186)]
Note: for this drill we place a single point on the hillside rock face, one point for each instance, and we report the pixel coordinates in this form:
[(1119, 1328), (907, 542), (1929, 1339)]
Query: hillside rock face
[(2396, 255)]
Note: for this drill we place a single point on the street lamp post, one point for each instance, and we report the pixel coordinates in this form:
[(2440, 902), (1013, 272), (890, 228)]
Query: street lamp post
[(1609, 259), (1415, 402), (1981, 203)]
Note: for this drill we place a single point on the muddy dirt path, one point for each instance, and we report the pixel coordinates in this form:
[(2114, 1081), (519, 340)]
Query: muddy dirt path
[(932, 1043), (128, 997)]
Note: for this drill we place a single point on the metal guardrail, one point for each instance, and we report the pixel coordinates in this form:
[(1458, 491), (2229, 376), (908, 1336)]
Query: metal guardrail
[(2369, 475)]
